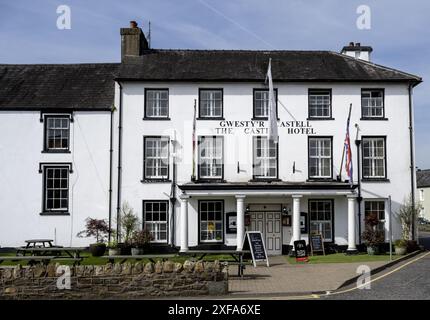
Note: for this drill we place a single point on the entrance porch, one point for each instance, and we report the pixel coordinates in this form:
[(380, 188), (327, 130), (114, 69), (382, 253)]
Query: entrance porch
[(219, 214)]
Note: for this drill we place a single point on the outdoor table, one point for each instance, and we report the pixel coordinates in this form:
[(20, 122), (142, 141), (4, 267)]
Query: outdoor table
[(150, 257), (38, 243), (70, 252), (237, 256)]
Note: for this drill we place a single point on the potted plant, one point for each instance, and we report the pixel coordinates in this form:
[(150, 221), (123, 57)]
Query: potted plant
[(98, 229), (400, 247), (128, 224), (372, 237), (140, 242), (114, 249)]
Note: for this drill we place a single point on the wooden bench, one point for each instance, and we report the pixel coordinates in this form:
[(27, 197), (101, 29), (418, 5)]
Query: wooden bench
[(236, 255), (30, 259), (150, 257)]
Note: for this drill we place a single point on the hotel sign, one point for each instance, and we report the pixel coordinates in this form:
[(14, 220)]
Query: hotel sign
[(261, 127)]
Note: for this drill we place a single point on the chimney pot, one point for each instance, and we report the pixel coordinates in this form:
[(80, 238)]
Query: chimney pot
[(351, 44), (133, 24), (358, 44)]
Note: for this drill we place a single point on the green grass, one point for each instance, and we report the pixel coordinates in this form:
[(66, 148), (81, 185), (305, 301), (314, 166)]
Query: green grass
[(90, 260), (343, 258)]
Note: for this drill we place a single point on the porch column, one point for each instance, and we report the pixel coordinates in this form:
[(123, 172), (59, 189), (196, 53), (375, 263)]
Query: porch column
[(351, 224), (296, 217), (184, 223), (240, 221)]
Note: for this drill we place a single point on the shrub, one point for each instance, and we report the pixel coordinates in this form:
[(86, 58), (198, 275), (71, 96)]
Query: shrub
[(96, 228), (400, 243), (142, 238)]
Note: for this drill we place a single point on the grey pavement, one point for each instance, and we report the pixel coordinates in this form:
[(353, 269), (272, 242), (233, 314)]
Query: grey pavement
[(284, 278), (409, 283)]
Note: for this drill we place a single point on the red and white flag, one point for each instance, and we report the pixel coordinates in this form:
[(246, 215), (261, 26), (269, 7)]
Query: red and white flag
[(348, 152)]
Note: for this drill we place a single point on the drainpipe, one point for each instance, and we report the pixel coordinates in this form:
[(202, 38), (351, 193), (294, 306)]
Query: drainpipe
[(411, 146), (110, 173), (118, 206), (359, 197)]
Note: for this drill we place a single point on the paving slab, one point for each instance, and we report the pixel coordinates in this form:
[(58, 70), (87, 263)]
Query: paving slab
[(285, 278)]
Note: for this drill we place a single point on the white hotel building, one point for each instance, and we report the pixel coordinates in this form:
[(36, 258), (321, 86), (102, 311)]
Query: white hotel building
[(80, 140)]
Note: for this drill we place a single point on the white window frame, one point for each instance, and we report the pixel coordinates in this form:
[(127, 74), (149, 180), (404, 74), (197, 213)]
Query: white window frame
[(154, 101), (319, 100), (377, 202), (208, 105), (213, 158), (214, 221), (64, 131), (154, 226), (161, 158), (374, 159), (54, 189), (319, 222), (264, 161), (320, 157), (372, 106), (264, 100)]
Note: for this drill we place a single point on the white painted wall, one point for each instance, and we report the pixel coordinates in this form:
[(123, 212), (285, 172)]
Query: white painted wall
[(21, 144), (238, 105)]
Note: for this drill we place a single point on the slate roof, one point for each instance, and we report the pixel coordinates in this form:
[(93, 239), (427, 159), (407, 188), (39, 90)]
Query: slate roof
[(59, 86), (242, 65), (423, 178)]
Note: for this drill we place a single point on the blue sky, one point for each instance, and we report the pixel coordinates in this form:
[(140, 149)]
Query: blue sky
[(399, 33)]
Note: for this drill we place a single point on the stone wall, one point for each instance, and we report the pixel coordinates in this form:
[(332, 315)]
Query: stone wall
[(120, 281)]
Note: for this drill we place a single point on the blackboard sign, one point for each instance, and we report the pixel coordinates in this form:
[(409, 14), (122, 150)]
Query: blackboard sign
[(256, 246), (317, 243), (301, 251)]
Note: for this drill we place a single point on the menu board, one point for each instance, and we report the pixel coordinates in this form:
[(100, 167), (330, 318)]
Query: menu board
[(317, 243), (256, 246), (301, 251)]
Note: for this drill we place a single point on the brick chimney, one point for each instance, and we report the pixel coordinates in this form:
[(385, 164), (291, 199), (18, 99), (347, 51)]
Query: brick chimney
[(357, 51), (133, 41)]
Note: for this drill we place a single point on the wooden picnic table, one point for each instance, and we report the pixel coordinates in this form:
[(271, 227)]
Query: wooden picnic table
[(236, 255), (150, 257), (39, 243), (70, 252)]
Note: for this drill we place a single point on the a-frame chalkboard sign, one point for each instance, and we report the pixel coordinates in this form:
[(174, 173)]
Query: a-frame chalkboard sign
[(317, 243), (254, 242)]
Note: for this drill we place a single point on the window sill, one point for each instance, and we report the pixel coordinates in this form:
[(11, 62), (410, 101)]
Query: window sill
[(54, 213), (56, 151), (319, 119), (265, 180), (262, 119), (374, 119), (208, 243), (321, 180), (376, 180), (156, 119), (155, 181), (209, 118), (209, 181)]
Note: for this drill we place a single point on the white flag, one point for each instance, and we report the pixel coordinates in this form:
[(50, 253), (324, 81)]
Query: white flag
[(273, 119)]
